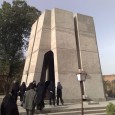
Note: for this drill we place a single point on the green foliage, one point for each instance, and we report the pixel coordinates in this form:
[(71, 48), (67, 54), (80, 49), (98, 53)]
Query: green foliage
[(15, 25), (110, 109)]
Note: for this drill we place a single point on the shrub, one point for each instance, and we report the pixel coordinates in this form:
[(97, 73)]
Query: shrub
[(110, 109)]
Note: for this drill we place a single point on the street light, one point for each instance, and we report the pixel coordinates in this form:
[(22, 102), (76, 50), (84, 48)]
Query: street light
[(81, 76)]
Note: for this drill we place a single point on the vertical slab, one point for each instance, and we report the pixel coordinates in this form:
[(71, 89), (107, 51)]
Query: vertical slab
[(42, 44), (90, 57), (29, 51), (63, 46)]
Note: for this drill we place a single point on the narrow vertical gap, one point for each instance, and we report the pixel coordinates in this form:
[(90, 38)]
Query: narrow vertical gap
[(77, 42), (82, 85)]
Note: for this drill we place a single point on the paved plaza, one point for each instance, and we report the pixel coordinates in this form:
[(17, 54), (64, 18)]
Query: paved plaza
[(68, 108)]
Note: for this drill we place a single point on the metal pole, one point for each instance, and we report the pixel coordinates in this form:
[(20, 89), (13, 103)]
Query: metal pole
[(81, 84)]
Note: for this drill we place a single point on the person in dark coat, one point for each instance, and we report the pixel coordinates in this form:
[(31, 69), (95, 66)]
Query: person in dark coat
[(15, 89), (22, 92), (59, 93), (51, 89), (40, 89), (9, 106), (30, 100)]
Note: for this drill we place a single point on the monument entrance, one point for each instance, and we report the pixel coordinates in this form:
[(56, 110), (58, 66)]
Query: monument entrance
[(47, 74), (48, 68)]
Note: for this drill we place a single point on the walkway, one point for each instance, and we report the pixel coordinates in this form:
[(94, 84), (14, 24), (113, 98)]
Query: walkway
[(67, 107)]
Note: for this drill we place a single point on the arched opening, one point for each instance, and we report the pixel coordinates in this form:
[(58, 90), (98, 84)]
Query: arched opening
[(47, 74)]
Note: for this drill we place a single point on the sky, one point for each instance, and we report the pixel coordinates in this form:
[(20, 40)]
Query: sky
[(103, 13)]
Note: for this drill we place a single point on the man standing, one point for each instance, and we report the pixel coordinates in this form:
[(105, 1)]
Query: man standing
[(51, 89), (59, 93), (30, 99)]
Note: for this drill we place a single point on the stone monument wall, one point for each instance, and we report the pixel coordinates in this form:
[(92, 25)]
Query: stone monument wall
[(71, 39)]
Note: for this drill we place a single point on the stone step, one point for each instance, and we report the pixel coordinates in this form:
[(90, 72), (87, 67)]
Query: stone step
[(67, 112), (64, 108), (72, 112), (70, 109)]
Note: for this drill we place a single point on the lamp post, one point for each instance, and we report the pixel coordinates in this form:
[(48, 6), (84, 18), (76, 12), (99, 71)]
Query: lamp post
[(81, 76)]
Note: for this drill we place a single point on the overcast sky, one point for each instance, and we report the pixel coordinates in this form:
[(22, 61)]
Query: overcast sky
[(103, 12)]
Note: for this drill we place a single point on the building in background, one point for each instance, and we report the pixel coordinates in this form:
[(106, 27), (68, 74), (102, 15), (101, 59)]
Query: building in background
[(109, 84)]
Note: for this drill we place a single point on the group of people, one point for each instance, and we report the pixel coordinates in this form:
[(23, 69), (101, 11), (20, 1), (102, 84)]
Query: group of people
[(31, 97)]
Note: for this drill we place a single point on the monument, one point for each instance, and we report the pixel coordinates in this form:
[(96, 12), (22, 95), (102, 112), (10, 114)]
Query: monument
[(61, 43)]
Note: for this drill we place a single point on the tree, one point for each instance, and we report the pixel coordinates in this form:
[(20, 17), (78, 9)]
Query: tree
[(15, 25), (108, 88)]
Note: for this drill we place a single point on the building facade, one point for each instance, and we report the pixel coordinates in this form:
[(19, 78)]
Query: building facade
[(61, 43)]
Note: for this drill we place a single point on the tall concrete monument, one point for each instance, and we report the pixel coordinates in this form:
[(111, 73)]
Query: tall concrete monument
[(61, 43)]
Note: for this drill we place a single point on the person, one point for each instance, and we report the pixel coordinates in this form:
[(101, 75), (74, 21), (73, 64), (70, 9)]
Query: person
[(51, 89), (9, 106), (15, 89), (30, 100), (40, 90), (59, 93), (22, 92)]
